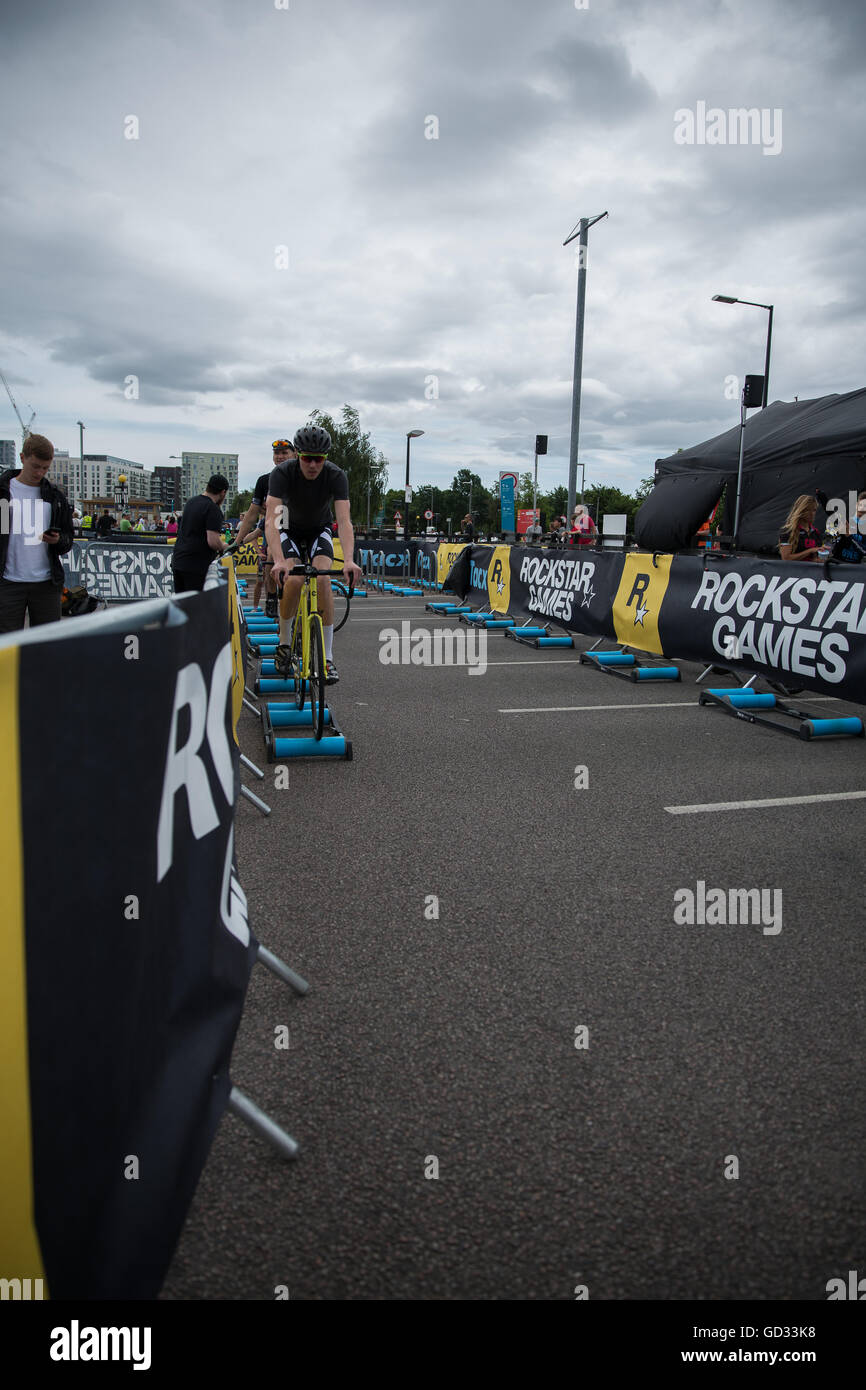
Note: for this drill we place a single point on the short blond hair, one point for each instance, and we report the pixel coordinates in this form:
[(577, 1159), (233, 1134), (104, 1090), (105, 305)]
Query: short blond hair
[(37, 446)]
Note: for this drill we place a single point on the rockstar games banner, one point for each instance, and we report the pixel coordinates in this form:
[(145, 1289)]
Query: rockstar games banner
[(119, 571), (125, 949), (801, 624), (446, 555), (571, 591)]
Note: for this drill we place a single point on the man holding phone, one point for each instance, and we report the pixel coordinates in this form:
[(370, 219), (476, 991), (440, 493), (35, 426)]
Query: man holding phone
[(35, 530)]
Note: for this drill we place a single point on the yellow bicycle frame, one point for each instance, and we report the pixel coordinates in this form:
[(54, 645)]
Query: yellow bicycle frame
[(307, 614)]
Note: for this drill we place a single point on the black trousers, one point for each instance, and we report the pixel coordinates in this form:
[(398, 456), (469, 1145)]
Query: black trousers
[(41, 601), (188, 579)]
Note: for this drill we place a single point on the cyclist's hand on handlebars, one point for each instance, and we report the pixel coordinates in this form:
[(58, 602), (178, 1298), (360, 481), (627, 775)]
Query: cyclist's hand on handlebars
[(352, 571), (280, 569)]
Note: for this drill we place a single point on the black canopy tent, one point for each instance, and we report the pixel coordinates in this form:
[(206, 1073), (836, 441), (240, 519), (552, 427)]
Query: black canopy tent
[(790, 448)]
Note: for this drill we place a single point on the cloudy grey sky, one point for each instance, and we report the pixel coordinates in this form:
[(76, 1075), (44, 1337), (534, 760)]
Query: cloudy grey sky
[(412, 258)]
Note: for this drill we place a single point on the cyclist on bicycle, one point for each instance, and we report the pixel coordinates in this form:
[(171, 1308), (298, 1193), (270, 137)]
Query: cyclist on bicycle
[(298, 519)]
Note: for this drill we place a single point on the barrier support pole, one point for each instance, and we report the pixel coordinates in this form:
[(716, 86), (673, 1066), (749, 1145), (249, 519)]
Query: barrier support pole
[(256, 771), (281, 970), (247, 1110), (260, 805)]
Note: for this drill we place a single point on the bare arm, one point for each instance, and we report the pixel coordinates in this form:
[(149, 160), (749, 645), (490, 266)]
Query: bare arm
[(275, 517), (251, 517), (347, 538)]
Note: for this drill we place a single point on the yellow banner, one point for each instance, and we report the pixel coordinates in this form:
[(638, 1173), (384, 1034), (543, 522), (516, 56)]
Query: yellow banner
[(639, 599), (237, 650), (20, 1258), (499, 579), (445, 557)]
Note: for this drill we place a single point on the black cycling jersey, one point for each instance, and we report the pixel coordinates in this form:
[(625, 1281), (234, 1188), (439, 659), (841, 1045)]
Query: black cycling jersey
[(260, 491), (308, 501)]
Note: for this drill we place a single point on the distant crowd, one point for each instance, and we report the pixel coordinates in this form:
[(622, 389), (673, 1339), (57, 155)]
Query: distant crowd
[(93, 526)]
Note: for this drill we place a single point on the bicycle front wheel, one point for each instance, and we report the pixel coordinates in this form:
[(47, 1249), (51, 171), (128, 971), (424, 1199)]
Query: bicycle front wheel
[(318, 675), (341, 603), (298, 658)]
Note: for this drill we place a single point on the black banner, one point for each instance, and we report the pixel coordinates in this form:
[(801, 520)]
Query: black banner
[(120, 571), (138, 949), (798, 623), (394, 553)]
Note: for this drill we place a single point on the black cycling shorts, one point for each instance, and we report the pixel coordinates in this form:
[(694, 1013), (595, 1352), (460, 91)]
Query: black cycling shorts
[(313, 542)]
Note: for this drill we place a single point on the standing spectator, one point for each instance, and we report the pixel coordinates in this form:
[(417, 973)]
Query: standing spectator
[(87, 522), (556, 532), (468, 528), (799, 538), (39, 532), (171, 526), (159, 525), (125, 523), (139, 525), (534, 532), (199, 538), (104, 524), (582, 525)]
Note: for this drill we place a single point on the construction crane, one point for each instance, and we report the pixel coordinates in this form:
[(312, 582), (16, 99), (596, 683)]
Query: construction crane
[(25, 429)]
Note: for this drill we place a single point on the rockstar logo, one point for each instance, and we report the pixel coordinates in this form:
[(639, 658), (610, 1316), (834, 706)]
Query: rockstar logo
[(588, 597), (500, 586), (640, 614)]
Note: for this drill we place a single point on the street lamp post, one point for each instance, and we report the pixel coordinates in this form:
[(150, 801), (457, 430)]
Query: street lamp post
[(412, 434), (580, 231), (729, 299), (81, 452)]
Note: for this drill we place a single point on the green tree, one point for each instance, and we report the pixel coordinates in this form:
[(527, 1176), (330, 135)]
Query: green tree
[(602, 500), (353, 451), (524, 491), (240, 504), (556, 502)]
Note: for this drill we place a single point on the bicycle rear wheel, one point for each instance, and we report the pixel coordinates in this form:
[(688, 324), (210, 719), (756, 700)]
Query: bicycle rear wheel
[(341, 603), (318, 675)]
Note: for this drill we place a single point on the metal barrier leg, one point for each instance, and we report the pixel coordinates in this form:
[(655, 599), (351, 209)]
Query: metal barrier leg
[(259, 804), (247, 762), (249, 1112), (281, 970)]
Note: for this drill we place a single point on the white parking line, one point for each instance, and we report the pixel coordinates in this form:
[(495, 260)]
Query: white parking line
[(661, 704), (568, 709), (758, 805)]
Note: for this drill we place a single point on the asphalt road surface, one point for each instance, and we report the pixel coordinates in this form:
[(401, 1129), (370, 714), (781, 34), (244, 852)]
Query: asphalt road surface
[(611, 1097)]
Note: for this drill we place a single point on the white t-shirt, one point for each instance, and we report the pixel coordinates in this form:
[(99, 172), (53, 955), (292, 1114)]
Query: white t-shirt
[(27, 559)]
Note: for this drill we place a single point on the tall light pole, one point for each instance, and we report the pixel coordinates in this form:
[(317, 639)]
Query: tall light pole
[(412, 434), (81, 452), (580, 231), (729, 299)]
